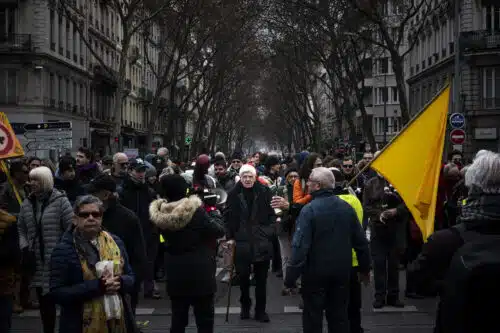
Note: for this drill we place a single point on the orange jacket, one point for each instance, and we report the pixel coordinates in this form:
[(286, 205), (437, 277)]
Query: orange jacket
[(299, 194)]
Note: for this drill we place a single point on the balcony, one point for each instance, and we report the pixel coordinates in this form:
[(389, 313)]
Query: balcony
[(16, 43), (106, 77), (480, 40)]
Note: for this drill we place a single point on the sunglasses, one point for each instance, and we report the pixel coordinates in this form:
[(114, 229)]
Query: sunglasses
[(86, 215), (347, 166)]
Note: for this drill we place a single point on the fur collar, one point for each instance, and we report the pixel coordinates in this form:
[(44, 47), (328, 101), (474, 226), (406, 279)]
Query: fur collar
[(173, 215)]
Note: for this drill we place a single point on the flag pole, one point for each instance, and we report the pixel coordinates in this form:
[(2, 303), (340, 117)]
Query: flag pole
[(412, 120)]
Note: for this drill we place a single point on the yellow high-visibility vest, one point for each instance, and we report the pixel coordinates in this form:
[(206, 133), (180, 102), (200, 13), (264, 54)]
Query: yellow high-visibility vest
[(162, 240)]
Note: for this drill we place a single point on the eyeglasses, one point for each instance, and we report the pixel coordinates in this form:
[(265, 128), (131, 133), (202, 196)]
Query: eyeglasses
[(236, 161), (86, 215), (347, 166)]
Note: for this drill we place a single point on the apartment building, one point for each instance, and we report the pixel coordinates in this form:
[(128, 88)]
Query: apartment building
[(431, 64), (49, 72), (381, 98)]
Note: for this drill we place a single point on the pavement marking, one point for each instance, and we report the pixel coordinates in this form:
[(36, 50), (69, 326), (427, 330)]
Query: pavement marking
[(388, 309), (223, 309), (292, 309), (144, 311), (34, 313)]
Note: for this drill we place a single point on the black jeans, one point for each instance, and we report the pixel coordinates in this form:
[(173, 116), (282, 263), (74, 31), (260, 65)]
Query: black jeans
[(203, 308), (260, 270), (330, 297), (6, 304), (134, 295), (47, 311), (385, 256), (152, 252), (355, 303)]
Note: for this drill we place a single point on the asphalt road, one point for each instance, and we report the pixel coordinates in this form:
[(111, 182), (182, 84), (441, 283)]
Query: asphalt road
[(154, 315)]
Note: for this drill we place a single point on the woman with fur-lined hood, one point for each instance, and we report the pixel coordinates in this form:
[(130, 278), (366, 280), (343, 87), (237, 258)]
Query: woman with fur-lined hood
[(190, 261)]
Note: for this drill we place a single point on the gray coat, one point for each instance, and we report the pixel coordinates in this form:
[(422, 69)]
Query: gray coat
[(57, 215)]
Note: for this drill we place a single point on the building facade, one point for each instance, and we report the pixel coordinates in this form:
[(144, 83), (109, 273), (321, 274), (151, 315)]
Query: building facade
[(431, 65), (51, 72)]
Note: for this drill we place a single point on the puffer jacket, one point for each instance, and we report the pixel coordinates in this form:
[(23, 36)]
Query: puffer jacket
[(55, 214)]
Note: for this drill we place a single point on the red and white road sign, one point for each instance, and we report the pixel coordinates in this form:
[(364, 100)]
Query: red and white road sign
[(457, 136)]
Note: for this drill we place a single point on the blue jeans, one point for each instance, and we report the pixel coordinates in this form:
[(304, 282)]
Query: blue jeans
[(6, 304)]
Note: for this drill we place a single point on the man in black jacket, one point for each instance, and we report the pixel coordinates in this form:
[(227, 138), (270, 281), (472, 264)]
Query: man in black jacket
[(136, 195), (327, 231), (122, 222)]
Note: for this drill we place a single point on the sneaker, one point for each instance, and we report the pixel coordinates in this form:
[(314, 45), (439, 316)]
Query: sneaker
[(262, 317), (378, 304)]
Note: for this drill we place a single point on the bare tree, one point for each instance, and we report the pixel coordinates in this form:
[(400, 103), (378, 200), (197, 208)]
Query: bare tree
[(385, 24), (132, 16)]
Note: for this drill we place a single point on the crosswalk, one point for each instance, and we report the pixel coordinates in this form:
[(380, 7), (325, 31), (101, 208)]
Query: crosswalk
[(221, 310)]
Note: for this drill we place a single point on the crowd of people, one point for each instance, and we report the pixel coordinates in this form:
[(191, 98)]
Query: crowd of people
[(89, 234)]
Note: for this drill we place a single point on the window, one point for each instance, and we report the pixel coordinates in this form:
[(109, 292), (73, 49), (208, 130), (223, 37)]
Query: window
[(491, 87), (492, 18), (396, 124), (383, 65), (75, 44), (60, 29), (394, 93), (52, 87), (381, 95), (7, 21), (52, 30), (8, 82)]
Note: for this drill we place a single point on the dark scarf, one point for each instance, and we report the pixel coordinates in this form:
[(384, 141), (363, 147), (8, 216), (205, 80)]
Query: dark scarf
[(481, 207), (86, 249)]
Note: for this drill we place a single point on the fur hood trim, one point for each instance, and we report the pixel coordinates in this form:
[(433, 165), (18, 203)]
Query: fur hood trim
[(173, 215)]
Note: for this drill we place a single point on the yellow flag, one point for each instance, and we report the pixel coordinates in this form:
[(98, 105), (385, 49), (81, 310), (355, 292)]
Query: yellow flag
[(412, 161)]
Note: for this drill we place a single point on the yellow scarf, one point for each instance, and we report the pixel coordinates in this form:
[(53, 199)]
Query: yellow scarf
[(94, 316)]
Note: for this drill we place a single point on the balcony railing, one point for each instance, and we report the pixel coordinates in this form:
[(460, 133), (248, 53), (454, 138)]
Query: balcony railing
[(480, 40), (491, 103), (16, 43)]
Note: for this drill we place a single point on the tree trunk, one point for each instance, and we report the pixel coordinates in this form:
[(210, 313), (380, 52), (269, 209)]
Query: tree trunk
[(120, 97), (397, 67)]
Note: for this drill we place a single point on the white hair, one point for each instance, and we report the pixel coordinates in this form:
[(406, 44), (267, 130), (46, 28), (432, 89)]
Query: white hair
[(484, 173), (247, 168), (324, 177), (220, 154), (162, 151), (480, 153), (117, 156), (44, 176)]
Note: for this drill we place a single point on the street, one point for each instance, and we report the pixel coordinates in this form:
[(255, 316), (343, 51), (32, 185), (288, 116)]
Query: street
[(154, 315)]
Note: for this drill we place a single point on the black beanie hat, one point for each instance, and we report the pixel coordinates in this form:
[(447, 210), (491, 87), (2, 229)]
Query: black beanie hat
[(174, 187), (272, 160), (237, 155)]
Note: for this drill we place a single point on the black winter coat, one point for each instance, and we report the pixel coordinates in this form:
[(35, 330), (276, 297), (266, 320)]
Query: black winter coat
[(188, 232), (72, 188), (251, 230), (122, 222), (137, 198)]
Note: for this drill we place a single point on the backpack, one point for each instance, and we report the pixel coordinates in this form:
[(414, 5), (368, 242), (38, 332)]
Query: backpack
[(471, 286)]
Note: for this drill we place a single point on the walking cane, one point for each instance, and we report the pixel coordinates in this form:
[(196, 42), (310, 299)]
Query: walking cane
[(231, 274)]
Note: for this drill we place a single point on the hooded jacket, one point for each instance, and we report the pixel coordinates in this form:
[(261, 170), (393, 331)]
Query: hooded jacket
[(188, 232)]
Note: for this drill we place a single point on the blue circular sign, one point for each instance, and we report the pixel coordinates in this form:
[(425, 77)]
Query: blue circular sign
[(457, 120)]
